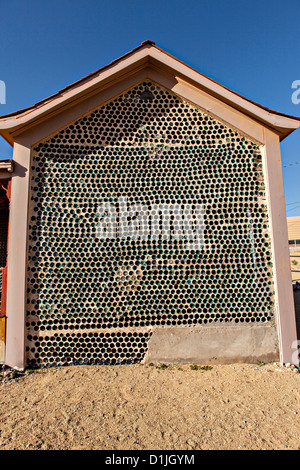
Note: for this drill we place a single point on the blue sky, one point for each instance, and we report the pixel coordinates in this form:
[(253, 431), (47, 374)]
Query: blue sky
[(250, 46)]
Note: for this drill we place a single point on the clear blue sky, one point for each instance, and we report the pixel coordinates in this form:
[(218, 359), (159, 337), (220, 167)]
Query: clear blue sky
[(250, 46)]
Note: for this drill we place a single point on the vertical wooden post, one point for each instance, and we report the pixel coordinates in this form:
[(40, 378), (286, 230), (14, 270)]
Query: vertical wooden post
[(17, 249), (285, 309)]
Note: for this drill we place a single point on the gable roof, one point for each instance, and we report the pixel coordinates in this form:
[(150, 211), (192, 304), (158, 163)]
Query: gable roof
[(147, 53)]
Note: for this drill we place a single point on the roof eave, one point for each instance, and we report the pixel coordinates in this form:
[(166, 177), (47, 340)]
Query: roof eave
[(145, 55)]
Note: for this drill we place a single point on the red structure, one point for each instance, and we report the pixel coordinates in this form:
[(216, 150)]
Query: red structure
[(5, 191)]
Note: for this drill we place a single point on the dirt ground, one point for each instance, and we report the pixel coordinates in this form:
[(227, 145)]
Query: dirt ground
[(152, 407)]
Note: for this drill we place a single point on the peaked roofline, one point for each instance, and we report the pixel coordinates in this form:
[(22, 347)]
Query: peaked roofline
[(278, 120)]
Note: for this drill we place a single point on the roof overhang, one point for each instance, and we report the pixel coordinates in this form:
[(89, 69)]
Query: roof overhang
[(147, 55), (6, 169)]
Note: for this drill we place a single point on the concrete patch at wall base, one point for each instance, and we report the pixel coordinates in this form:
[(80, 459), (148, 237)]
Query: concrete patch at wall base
[(213, 344)]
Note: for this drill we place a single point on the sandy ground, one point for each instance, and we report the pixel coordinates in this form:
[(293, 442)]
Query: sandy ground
[(146, 407)]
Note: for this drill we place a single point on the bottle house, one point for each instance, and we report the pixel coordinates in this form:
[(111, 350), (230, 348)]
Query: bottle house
[(146, 222)]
